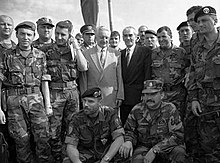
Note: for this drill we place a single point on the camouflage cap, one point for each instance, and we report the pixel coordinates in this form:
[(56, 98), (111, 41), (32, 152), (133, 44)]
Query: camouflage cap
[(207, 10), (45, 21), (152, 86), (183, 24), (26, 24), (93, 92), (150, 31), (89, 28)]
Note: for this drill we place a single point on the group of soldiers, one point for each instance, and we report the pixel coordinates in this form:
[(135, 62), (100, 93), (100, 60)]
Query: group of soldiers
[(83, 99)]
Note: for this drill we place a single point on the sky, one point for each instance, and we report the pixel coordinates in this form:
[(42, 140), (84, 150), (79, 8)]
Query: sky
[(152, 13)]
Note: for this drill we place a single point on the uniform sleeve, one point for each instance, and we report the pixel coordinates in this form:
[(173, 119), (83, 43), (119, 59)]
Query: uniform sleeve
[(72, 136), (131, 128), (116, 126), (45, 76), (176, 136)]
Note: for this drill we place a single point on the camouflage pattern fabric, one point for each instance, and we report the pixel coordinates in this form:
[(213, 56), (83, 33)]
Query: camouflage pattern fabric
[(163, 130), (93, 139), (41, 46), (205, 88), (64, 96), (169, 65), (26, 112)]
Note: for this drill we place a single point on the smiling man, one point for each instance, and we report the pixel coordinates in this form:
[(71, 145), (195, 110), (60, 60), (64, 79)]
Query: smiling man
[(169, 64), (45, 31), (153, 130), (95, 133)]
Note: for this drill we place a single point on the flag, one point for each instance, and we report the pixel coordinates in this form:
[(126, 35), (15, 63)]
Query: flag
[(90, 11)]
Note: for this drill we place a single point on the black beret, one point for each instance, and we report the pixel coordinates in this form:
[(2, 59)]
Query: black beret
[(89, 28), (151, 32), (207, 10), (26, 24), (93, 92), (183, 24), (45, 21)]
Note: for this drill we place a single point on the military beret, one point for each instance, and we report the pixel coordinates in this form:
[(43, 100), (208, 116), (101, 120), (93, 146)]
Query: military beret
[(65, 24), (93, 92), (151, 32), (89, 28), (26, 24), (183, 24), (45, 21), (152, 86), (207, 10)]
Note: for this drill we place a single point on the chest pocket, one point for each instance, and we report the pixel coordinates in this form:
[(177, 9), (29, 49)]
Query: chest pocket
[(54, 69), (175, 69)]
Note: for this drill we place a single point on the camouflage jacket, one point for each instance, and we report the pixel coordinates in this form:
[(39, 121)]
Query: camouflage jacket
[(163, 129), (41, 46), (205, 74), (18, 70), (60, 64), (169, 65), (87, 135)]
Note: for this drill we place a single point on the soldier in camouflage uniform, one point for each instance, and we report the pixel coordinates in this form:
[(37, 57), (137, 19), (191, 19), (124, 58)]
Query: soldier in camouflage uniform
[(23, 73), (169, 63), (63, 63), (95, 133), (204, 92), (6, 29), (153, 130), (44, 29)]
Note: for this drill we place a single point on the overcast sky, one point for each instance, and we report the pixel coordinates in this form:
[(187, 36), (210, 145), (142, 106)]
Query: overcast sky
[(153, 13)]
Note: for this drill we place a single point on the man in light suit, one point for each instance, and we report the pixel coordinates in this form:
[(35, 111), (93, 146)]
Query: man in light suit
[(104, 70), (136, 68)]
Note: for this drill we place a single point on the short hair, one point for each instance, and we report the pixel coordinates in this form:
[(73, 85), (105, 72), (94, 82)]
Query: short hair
[(65, 24), (165, 28), (101, 28), (78, 35), (115, 33), (130, 27), (193, 9)]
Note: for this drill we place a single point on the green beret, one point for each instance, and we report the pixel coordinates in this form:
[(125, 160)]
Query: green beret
[(27, 25), (152, 86), (93, 92), (45, 21), (183, 24), (207, 10)]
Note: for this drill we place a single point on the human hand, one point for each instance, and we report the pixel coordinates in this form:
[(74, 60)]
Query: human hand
[(196, 108), (2, 117), (150, 156), (126, 149), (49, 111)]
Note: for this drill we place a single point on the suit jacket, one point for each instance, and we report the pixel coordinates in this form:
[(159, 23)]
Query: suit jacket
[(107, 78), (138, 70)]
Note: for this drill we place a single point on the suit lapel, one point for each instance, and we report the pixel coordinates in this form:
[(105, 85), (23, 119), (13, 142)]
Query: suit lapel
[(95, 59)]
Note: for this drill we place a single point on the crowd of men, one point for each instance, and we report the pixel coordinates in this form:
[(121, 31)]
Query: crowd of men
[(82, 99)]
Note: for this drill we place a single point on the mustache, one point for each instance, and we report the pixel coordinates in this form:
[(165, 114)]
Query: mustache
[(149, 100)]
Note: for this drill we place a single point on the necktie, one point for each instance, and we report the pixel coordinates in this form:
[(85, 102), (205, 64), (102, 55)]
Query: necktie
[(102, 57), (128, 56)]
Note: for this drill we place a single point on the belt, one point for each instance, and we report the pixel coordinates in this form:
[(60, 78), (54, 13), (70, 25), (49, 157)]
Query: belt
[(21, 91), (64, 85)]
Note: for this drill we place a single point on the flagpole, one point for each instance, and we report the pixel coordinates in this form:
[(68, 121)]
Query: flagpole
[(110, 14)]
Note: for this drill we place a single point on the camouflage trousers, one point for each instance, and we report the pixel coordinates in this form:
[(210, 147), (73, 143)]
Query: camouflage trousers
[(205, 137), (176, 155), (177, 95), (65, 103), (26, 115)]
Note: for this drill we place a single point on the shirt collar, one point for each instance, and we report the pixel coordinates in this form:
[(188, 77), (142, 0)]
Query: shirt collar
[(99, 48)]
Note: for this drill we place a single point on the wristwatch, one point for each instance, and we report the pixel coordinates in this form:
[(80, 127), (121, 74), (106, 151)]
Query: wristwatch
[(154, 151), (106, 158)]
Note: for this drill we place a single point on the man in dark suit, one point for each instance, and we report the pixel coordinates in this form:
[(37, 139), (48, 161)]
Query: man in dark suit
[(136, 68)]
